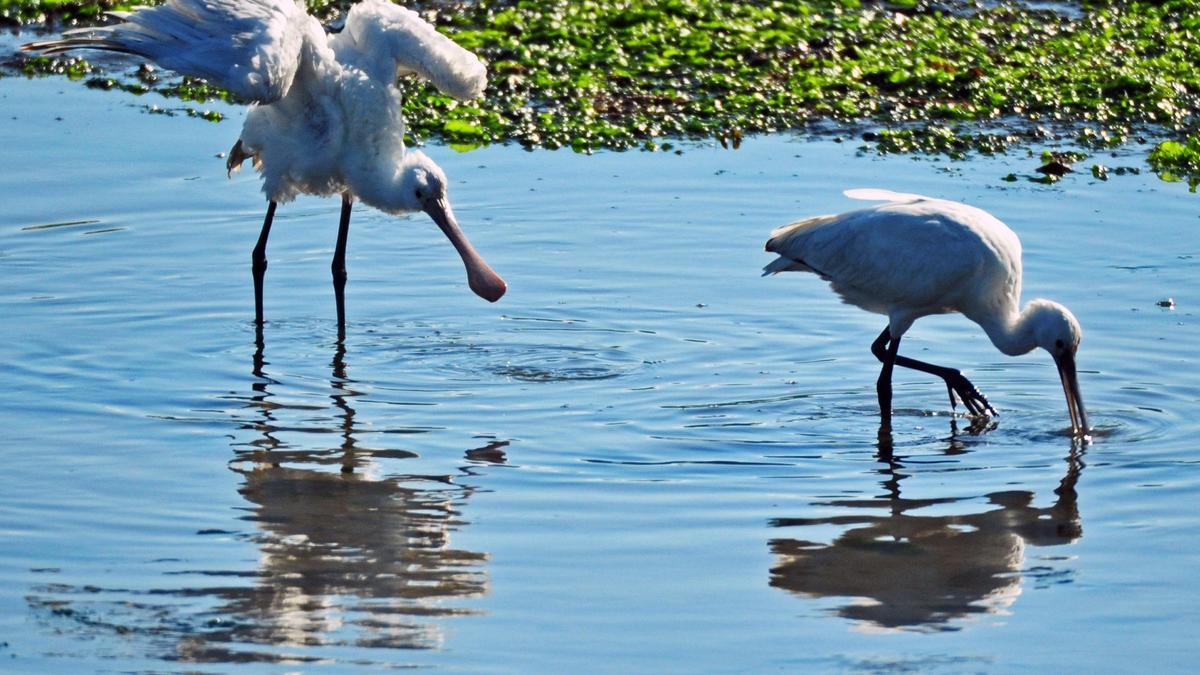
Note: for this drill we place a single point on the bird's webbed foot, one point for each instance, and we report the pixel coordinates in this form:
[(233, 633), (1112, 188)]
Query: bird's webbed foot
[(961, 389)]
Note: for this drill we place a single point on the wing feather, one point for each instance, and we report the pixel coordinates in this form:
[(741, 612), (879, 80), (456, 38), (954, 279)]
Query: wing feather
[(907, 253), (878, 195), (249, 47), (380, 29)]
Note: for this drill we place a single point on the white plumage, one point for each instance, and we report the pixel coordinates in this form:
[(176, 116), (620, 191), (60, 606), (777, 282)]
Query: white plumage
[(326, 115), (913, 256)]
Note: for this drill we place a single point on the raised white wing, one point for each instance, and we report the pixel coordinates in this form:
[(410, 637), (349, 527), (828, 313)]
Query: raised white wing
[(378, 29), (878, 195), (249, 47)]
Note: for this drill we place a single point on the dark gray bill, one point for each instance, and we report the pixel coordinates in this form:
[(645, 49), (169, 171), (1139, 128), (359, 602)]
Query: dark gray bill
[(1070, 384)]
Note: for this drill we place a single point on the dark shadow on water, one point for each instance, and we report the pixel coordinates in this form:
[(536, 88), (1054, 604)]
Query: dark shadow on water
[(899, 570), (344, 558)]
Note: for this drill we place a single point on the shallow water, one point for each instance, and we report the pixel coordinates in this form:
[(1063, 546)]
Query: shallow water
[(645, 457)]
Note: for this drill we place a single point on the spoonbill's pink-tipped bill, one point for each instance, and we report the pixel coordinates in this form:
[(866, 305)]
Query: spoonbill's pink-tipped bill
[(480, 277)]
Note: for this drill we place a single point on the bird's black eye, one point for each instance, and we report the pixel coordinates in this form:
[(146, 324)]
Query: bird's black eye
[(1058, 344)]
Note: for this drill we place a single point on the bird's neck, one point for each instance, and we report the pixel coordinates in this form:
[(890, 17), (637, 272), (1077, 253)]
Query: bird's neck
[(1012, 333), (388, 191)]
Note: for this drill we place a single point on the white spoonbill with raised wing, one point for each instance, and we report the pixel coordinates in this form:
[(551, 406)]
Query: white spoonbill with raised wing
[(325, 118), (913, 256)]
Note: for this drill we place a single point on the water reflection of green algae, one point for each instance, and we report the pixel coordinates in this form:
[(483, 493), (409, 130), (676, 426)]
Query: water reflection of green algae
[(920, 77)]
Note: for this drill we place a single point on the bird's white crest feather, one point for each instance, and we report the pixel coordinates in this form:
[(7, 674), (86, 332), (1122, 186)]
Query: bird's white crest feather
[(878, 195)]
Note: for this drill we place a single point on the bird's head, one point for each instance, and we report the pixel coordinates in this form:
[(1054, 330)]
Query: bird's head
[(423, 188), (422, 182), (1056, 330)]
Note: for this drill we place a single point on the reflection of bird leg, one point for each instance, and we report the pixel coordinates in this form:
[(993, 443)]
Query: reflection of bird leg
[(338, 266), (260, 396), (956, 383), (259, 348), (976, 426), (980, 425), (884, 445), (259, 264), (341, 400), (339, 366), (891, 472)]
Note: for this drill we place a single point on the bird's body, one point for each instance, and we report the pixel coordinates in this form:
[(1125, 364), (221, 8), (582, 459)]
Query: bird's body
[(326, 116), (338, 127), (913, 256), (909, 257)]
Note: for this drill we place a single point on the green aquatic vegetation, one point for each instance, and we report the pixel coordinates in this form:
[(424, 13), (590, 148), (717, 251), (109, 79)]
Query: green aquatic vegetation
[(192, 89), (65, 12), (955, 142), (73, 67), (1175, 160), (590, 74)]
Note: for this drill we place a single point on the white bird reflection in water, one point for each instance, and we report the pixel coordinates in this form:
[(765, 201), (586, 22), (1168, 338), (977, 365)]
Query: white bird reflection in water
[(905, 571), (344, 555), (345, 558)]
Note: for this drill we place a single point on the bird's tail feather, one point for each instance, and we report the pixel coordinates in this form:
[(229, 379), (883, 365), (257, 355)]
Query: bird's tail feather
[(782, 264), (781, 234), (239, 154)]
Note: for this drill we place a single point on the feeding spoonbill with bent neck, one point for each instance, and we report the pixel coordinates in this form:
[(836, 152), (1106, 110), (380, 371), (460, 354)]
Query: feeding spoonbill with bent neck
[(326, 116), (913, 256)]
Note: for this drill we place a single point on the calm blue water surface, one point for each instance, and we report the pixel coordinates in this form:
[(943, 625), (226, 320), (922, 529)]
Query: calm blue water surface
[(644, 458)]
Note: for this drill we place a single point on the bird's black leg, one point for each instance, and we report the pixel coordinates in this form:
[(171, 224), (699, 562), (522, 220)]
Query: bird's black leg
[(975, 402), (259, 264), (956, 383), (338, 267), (885, 348), (879, 346)]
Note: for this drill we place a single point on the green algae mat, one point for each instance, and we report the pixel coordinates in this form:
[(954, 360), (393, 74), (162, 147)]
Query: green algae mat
[(900, 77)]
